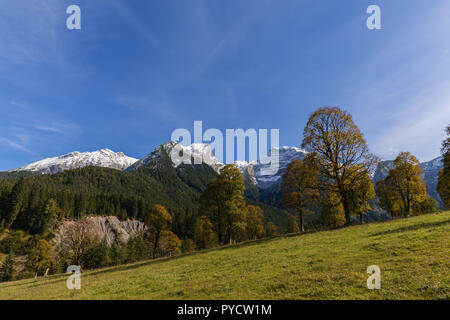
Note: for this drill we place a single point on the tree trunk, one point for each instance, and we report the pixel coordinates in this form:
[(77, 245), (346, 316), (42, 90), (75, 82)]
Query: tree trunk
[(348, 218), (219, 224), (408, 205), (302, 222), (228, 235), (360, 218), (155, 244)]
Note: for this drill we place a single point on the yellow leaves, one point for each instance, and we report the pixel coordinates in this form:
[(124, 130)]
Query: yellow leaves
[(333, 217), (338, 144), (204, 235), (341, 153), (223, 201), (39, 258), (158, 218), (52, 209), (361, 192), (169, 243), (229, 184), (254, 222), (299, 185), (403, 189), (292, 225)]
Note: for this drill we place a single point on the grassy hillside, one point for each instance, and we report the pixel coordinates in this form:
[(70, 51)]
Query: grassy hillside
[(413, 254)]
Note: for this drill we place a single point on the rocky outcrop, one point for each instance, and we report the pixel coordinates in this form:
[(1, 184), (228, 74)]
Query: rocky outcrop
[(109, 228)]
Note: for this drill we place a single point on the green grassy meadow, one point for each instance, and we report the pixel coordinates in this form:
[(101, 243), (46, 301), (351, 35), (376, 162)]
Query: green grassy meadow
[(413, 254)]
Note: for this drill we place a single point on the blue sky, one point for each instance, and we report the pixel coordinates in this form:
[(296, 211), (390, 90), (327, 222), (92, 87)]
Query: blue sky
[(139, 69)]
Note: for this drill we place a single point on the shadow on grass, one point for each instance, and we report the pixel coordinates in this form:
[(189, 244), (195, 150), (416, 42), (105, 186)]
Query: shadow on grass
[(412, 228)]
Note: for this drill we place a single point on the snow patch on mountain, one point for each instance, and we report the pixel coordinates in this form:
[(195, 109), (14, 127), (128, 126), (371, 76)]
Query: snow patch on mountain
[(430, 168), (285, 156), (74, 160), (252, 172), (198, 153), (154, 157), (435, 164), (177, 154)]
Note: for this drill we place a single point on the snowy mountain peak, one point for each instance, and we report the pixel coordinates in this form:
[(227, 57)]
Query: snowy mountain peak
[(197, 153), (73, 160), (285, 156), (177, 154)]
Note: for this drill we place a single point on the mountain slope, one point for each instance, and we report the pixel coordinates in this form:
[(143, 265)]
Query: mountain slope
[(431, 175), (159, 164), (266, 188), (75, 160), (411, 253), (197, 153), (252, 172), (103, 191)]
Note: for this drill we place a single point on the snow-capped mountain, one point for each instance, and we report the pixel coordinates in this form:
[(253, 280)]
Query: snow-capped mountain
[(174, 154), (177, 154), (252, 172), (101, 158), (153, 158), (435, 164), (383, 170), (431, 175), (285, 156), (430, 168)]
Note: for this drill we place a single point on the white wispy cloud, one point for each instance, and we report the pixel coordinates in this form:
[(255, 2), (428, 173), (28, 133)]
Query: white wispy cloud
[(127, 14), (235, 34), (24, 126), (48, 129), (400, 92), (19, 104), (417, 125), (14, 145), (161, 107), (33, 38)]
